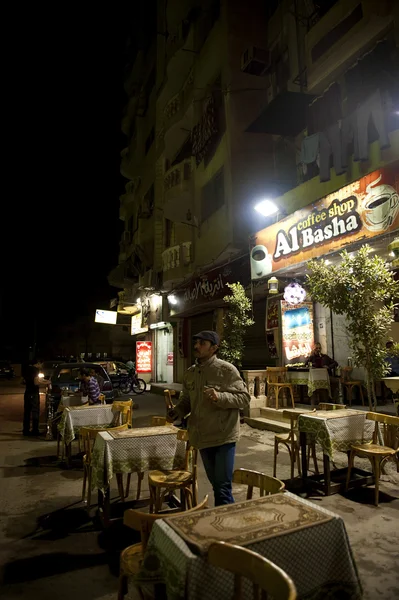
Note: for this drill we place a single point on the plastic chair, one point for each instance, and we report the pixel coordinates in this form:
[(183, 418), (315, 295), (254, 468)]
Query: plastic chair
[(243, 563), (132, 556)]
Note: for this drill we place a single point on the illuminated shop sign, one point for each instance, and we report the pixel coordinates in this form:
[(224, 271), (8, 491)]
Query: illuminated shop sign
[(143, 357), (106, 316), (297, 320)]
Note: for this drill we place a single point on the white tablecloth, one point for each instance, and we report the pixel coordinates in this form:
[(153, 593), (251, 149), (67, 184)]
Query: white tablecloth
[(337, 430), (315, 379), (74, 418), (317, 557), (135, 451)]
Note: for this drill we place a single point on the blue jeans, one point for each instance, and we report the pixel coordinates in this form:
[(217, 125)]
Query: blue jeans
[(219, 464)]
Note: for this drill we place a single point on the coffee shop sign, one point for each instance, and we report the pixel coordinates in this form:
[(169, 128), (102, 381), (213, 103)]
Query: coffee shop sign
[(362, 209)]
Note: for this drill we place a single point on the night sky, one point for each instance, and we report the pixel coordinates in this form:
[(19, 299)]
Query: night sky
[(61, 187)]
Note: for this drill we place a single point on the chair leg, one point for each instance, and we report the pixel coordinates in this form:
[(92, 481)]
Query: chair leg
[(128, 478), (275, 457), (152, 499), (349, 388), (292, 397), (277, 392), (84, 482), (361, 394), (298, 459), (377, 465), (122, 589), (195, 493), (351, 459), (89, 474)]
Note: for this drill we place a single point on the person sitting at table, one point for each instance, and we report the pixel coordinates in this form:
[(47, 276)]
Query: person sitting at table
[(100, 379), (392, 360), (318, 360), (93, 389)]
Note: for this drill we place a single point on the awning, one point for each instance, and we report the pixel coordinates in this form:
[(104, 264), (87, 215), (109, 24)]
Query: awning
[(284, 115)]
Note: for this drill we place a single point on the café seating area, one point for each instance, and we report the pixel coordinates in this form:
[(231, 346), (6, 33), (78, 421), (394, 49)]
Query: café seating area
[(188, 549)]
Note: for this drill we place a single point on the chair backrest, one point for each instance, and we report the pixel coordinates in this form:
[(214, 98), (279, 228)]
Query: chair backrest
[(168, 398), (88, 436), (158, 421), (346, 374), (124, 408), (390, 425), (191, 453), (102, 398), (293, 416), (265, 575), (143, 522), (276, 374), (331, 406), (266, 484)]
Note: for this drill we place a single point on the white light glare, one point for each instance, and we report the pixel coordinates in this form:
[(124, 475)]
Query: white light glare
[(327, 261), (138, 301), (172, 299), (266, 208)]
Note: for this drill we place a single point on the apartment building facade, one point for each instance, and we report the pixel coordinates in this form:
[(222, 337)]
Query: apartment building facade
[(230, 91)]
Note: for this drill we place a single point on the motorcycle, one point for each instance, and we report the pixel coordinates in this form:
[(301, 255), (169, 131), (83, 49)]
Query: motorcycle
[(131, 382)]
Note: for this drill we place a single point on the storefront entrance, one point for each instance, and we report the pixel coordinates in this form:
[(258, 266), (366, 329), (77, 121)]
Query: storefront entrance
[(164, 355)]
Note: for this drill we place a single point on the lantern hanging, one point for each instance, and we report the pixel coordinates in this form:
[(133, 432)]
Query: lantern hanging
[(294, 293), (272, 285)]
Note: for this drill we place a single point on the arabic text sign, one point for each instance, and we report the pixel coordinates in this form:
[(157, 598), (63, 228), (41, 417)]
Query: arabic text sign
[(298, 336), (363, 209), (106, 316), (135, 323), (143, 357)]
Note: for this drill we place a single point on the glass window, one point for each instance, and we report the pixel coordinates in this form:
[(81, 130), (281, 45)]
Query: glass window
[(65, 375)]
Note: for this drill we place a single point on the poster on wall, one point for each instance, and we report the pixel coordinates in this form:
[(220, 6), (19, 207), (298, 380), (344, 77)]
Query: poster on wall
[(169, 358), (143, 357), (272, 313), (297, 329)]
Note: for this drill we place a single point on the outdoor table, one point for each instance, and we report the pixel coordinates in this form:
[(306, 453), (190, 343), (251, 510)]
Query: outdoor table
[(133, 451), (393, 384), (334, 431), (75, 417), (308, 542), (315, 379)]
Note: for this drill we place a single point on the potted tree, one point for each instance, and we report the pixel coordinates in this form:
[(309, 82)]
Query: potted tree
[(363, 289)]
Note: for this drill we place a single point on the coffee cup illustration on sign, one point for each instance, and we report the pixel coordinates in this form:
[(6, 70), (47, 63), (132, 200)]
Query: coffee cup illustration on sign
[(261, 262), (380, 206)]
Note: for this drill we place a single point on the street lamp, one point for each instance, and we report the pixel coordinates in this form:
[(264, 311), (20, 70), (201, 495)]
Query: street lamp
[(266, 208)]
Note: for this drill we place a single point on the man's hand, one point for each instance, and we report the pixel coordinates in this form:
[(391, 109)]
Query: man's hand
[(211, 394)]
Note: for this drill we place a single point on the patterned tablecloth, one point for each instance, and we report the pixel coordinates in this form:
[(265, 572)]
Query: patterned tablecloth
[(336, 430), (75, 417), (135, 451), (315, 379), (308, 542)]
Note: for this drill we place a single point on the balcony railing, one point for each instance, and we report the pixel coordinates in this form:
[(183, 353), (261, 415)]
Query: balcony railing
[(175, 256), (178, 104), (177, 175)]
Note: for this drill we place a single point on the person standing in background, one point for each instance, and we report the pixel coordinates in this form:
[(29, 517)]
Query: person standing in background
[(32, 399)]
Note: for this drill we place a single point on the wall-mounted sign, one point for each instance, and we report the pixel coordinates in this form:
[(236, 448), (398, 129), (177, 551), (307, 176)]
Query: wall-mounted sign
[(135, 325), (143, 357), (360, 210), (169, 358), (272, 313), (160, 325), (106, 316), (298, 338)]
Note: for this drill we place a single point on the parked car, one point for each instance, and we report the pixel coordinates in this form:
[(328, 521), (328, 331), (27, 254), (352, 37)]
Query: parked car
[(48, 368), (6, 369), (66, 377)]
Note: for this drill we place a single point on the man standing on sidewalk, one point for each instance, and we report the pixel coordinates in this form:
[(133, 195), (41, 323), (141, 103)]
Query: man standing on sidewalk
[(213, 393), (32, 399)]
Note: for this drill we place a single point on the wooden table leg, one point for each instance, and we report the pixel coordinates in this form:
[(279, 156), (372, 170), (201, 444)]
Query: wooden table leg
[(302, 441), (104, 506), (327, 474)]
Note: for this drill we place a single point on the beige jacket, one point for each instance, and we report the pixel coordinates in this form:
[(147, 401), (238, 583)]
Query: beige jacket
[(213, 423)]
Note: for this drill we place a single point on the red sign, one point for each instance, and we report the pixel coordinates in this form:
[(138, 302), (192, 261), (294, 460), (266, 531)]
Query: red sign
[(169, 359), (143, 357)]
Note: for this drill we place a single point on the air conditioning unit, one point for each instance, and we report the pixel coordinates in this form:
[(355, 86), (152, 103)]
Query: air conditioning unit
[(255, 61)]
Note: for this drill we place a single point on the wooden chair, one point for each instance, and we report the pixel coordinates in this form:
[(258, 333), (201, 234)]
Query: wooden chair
[(162, 483), (266, 576), (276, 378), (376, 453), (330, 406), (349, 384), (132, 556), (102, 398), (291, 442), (125, 410), (267, 485), (88, 436), (168, 394)]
